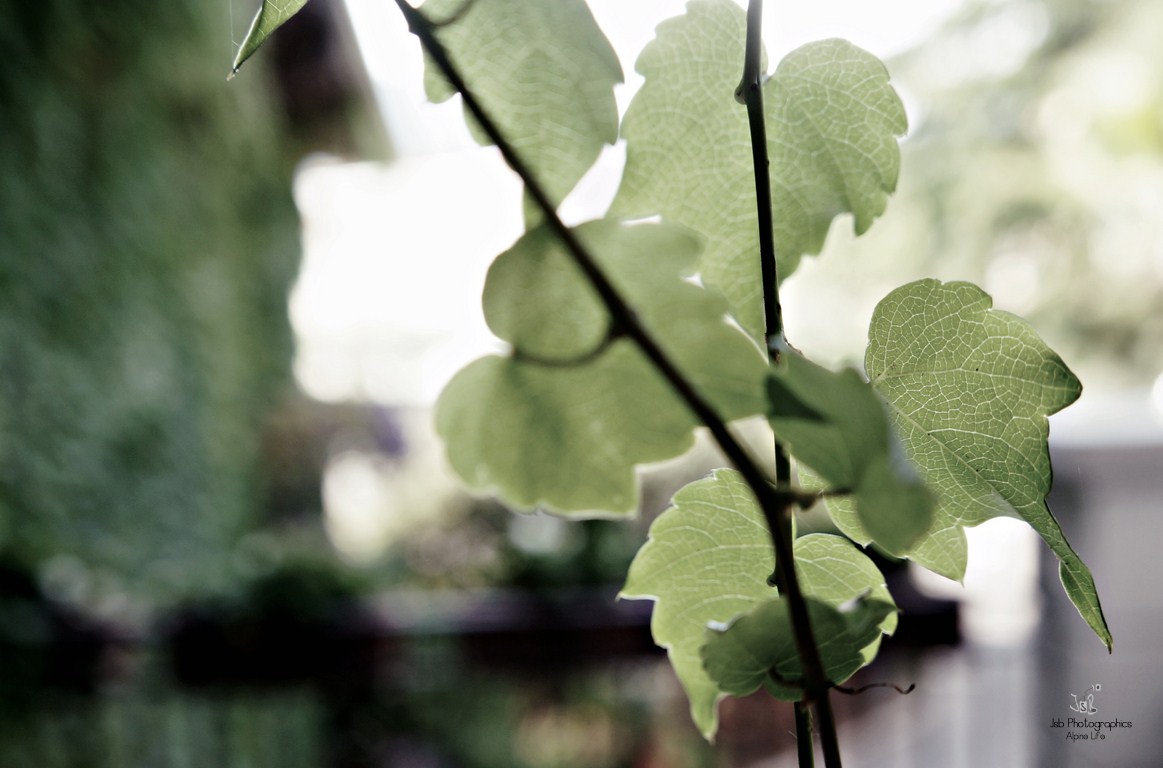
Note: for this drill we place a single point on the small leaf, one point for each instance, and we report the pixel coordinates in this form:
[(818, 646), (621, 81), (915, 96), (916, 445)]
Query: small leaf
[(743, 656), (707, 560), (834, 121), (272, 15), (969, 389), (563, 421), (836, 424), (543, 71), (942, 549), (831, 122)]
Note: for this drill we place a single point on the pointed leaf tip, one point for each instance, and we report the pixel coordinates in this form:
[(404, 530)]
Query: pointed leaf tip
[(271, 15), (970, 389)]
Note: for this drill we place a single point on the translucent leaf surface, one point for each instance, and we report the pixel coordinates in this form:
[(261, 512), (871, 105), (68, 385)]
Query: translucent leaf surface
[(969, 389), (831, 119), (836, 424), (271, 15), (707, 560), (758, 648), (561, 427), (688, 151), (543, 71)]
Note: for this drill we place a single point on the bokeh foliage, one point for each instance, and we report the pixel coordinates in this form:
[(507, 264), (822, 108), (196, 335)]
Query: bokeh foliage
[(147, 244)]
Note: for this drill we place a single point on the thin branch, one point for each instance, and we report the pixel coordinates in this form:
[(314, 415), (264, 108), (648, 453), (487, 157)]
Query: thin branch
[(827, 730), (750, 93), (805, 751)]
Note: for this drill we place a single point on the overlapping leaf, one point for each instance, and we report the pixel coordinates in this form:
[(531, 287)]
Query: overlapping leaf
[(969, 389), (836, 424), (543, 71), (271, 15), (831, 123), (562, 421), (759, 648), (708, 559)]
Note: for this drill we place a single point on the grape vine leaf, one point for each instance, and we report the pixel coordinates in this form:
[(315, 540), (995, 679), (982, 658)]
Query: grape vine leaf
[(544, 72), (832, 119), (271, 15), (707, 560), (969, 389), (837, 425), (758, 648), (834, 122), (565, 431)]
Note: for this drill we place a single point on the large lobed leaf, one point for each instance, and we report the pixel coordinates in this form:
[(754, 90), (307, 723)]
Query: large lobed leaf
[(836, 424), (271, 15), (831, 122), (543, 71), (562, 421), (969, 389), (707, 561)]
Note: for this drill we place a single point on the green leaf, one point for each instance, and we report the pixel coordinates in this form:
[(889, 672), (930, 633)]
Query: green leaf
[(831, 119), (688, 150), (561, 423), (741, 656), (943, 549), (836, 424), (272, 15), (543, 71), (969, 389), (707, 560)]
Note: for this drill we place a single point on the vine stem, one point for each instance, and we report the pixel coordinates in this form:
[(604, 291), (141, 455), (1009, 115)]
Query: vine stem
[(775, 503), (816, 685), (804, 751)]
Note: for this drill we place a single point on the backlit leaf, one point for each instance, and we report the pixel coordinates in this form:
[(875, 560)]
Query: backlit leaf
[(271, 15), (970, 389), (833, 120), (837, 425), (543, 71), (562, 421), (831, 123), (707, 560), (758, 648)]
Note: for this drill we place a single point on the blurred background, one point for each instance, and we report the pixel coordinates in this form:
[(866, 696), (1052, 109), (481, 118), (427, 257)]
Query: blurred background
[(227, 533)]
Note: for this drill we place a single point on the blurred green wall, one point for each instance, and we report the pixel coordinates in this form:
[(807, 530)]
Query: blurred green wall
[(147, 244)]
